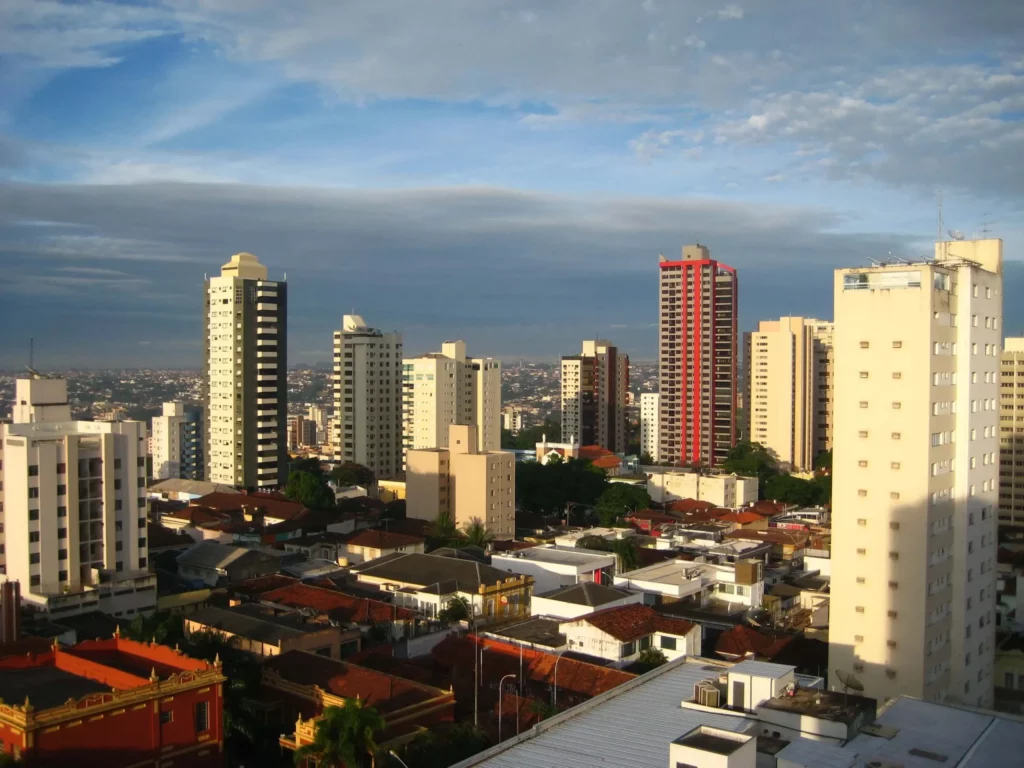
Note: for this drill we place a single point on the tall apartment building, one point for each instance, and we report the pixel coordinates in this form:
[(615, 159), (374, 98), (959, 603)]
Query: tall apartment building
[(245, 376), (513, 418), (444, 388), (463, 481), (1011, 437), (73, 506), (368, 397), (650, 408), (788, 367), (177, 440), (301, 432), (318, 416), (697, 356), (917, 350), (595, 385)]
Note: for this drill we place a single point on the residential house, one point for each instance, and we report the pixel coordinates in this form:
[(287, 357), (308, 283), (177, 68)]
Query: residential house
[(212, 564), (577, 600), (620, 635), (553, 566), (341, 608)]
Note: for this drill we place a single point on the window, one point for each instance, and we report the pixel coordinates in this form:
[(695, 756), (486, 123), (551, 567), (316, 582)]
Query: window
[(33, 470), (62, 511), (117, 463), (628, 649), (865, 344), (892, 614), (895, 465), (668, 643), (861, 551), (863, 374), (896, 406), (862, 463), (62, 554), (897, 344), (894, 585), (33, 558), (894, 555), (862, 492), (62, 469), (203, 716), (33, 493), (895, 435), (861, 522), (897, 375), (645, 643), (859, 609), (861, 580), (858, 638), (33, 536), (863, 433), (142, 562), (863, 403), (33, 514), (62, 533), (894, 526), (166, 716)]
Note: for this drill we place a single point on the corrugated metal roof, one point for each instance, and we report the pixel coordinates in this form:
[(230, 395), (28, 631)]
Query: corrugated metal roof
[(820, 754), (762, 669)]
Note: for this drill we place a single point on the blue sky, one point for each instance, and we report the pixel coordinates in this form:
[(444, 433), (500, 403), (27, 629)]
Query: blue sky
[(502, 171)]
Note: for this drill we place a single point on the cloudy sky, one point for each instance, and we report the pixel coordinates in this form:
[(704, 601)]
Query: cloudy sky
[(506, 172)]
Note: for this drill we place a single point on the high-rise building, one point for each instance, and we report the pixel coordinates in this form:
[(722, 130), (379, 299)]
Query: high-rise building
[(177, 442), (444, 388), (697, 354), (915, 468), (594, 388), (650, 409), (513, 418), (368, 397), (318, 416), (73, 506), (301, 432), (245, 377), (788, 371), (463, 481), (1011, 438)]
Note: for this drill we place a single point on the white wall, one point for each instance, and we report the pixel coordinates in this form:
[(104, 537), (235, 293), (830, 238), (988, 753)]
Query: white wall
[(543, 606)]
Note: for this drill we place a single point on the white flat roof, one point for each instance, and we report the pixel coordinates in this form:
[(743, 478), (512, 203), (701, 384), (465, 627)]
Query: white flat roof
[(762, 669), (669, 572), (561, 555)]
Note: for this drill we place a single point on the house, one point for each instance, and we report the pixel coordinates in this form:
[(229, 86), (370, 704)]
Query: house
[(263, 633), (786, 545), (743, 642), (581, 599), (274, 507), (179, 489), (212, 564), (620, 635), (372, 543), (428, 583), (741, 582), (552, 566), (569, 538), (341, 608)]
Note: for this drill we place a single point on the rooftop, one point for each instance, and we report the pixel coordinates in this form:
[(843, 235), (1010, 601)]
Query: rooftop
[(708, 740), (538, 631), (762, 669), (46, 686), (631, 622), (380, 539), (824, 705), (675, 572), (191, 487), (587, 593), (254, 623), (429, 571), (337, 605), (558, 554), (272, 504), (216, 556)]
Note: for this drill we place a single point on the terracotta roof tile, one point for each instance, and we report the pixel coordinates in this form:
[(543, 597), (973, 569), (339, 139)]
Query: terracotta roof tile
[(689, 505), (744, 642), (337, 605), (272, 504), (607, 462), (594, 452), (631, 622), (381, 539)]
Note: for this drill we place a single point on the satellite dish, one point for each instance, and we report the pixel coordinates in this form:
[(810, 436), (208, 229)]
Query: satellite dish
[(956, 234), (849, 681)]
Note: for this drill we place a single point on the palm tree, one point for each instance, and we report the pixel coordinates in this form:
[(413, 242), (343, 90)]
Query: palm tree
[(477, 534), (443, 530), (457, 610), (343, 736)]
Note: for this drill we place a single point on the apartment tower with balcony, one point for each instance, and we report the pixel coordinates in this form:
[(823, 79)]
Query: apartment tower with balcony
[(697, 356), (245, 376), (177, 441), (595, 388), (915, 467), (1011, 434)]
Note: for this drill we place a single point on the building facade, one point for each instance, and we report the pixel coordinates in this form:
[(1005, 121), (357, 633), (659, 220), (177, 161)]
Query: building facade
[(177, 440), (513, 418), (444, 388), (595, 386), (915, 475), (697, 355), (245, 332), (464, 482), (302, 432), (650, 441), (1011, 434), (788, 367), (73, 497), (368, 397)]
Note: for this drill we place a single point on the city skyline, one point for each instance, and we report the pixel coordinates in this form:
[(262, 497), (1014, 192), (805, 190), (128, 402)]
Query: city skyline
[(326, 143)]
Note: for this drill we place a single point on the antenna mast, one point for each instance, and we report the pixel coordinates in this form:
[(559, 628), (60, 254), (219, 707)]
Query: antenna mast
[(940, 217), (31, 352)]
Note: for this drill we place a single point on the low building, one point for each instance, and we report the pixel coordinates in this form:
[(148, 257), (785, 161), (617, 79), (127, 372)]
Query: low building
[(620, 635), (577, 600), (786, 545), (183, 489), (553, 566), (667, 484), (346, 610), (113, 703), (372, 543), (428, 583), (212, 564), (263, 633), (741, 583), (273, 507)]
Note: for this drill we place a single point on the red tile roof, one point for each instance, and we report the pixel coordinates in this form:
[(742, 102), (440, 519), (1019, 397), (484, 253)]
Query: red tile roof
[(272, 504), (742, 518), (689, 505), (260, 584), (607, 462), (743, 642), (594, 452), (380, 539), (337, 605), (631, 622), (772, 535)]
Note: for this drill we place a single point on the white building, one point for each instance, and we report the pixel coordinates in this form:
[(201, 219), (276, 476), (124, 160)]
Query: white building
[(318, 416), (620, 635), (915, 493), (552, 566), (73, 501), (741, 583), (581, 600), (177, 442), (368, 397), (666, 484), (595, 384), (650, 405), (513, 418), (445, 388), (245, 377)]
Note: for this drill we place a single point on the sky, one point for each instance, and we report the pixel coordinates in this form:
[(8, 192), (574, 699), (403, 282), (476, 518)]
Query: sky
[(505, 172)]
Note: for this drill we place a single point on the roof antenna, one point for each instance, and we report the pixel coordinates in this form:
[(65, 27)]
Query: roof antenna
[(940, 217), (31, 352)]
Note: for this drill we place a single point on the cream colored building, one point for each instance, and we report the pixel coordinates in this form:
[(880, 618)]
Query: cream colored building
[(368, 397), (666, 485), (463, 481), (650, 405), (513, 418), (917, 350), (177, 442), (445, 388), (1011, 437), (595, 387), (245, 376), (73, 506), (789, 377)]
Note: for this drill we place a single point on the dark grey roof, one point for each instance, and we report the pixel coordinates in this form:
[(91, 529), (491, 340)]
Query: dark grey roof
[(253, 623), (539, 631), (462, 553), (217, 556), (45, 686), (434, 573), (587, 593)]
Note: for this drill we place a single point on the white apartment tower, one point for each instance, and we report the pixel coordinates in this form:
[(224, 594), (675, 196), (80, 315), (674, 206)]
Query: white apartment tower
[(650, 405), (595, 386), (789, 398), (177, 440), (444, 388), (245, 377), (73, 506), (1011, 438), (368, 397), (915, 489)]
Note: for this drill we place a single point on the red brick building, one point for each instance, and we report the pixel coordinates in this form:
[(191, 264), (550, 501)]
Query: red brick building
[(113, 703)]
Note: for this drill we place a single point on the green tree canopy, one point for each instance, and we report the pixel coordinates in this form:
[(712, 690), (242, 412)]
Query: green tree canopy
[(477, 534), (548, 489), (528, 438), (443, 532), (823, 461), (344, 736), (651, 658), (456, 610), (618, 499), (626, 556), (351, 473), (444, 745), (309, 490)]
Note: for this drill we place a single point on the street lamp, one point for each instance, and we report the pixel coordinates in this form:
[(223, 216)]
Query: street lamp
[(501, 710), (554, 689), (392, 753)]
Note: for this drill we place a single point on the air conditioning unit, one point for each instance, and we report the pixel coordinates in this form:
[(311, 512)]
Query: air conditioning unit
[(707, 694)]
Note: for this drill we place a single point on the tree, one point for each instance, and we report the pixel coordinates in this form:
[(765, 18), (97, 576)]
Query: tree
[(548, 489), (394, 510), (646, 459), (443, 532), (651, 658), (351, 473), (344, 736), (626, 555), (620, 498), (311, 465), (477, 534), (165, 628), (457, 610), (791, 490), (444, 745), (309, 490), (823, 461)]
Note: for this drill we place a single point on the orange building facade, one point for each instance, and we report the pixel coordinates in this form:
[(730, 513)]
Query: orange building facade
[(114, 703)]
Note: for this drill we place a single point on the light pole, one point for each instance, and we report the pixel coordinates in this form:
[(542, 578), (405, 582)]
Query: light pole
[(394, 755), (500, 709), (554, 689)]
